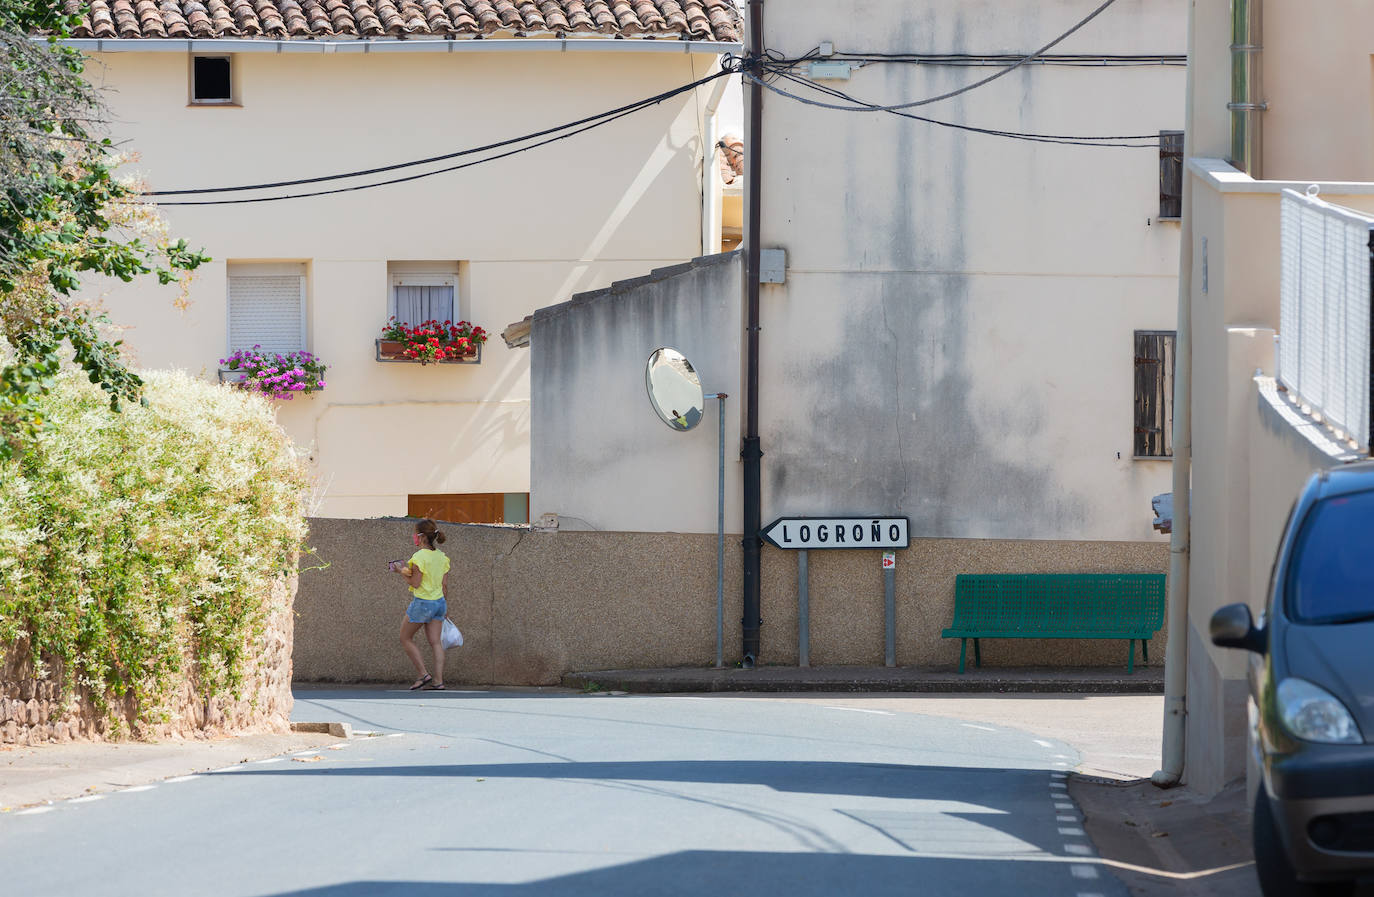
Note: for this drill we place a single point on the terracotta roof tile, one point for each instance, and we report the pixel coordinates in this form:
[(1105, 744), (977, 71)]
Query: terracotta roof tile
[(706, 20)]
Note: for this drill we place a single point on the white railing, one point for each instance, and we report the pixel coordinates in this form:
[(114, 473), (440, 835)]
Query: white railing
[(1324, 296)]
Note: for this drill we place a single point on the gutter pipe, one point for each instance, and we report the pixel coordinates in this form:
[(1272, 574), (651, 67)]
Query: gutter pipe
[(751, 451), (710, 170), (1247, 81), (533, 44), (1176, 651)]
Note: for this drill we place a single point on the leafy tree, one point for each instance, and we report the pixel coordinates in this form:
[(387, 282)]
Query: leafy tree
[(63, 214)]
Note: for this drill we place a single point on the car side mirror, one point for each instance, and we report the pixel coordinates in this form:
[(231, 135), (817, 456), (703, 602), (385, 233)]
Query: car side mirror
[(1233, 627)]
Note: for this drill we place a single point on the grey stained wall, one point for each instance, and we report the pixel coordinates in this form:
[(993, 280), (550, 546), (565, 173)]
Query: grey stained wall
[(600, 457), (536, 605)]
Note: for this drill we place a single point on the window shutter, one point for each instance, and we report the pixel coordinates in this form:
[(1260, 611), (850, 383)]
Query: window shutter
[(1154, 394), (266, 310), (1170, 174)]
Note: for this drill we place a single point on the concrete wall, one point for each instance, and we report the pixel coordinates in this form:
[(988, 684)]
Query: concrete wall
[(954, 339), (527, 231), (601, 457), (535, 605)]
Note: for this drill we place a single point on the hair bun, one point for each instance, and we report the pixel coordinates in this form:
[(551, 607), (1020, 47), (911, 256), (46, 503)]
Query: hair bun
[(439, 537)]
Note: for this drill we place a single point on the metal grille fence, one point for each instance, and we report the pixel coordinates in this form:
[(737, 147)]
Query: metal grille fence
[(1324, 311)]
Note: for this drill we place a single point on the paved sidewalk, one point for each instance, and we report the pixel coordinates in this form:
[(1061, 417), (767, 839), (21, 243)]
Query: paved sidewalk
[(30, 776), (1006, 680)]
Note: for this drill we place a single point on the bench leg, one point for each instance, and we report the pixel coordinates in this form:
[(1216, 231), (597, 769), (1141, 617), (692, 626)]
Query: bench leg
[(963, 647), (977, 655), (1145, 651), (1130, 656)]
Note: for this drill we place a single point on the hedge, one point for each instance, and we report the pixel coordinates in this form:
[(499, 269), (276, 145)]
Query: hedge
[(138, 549)]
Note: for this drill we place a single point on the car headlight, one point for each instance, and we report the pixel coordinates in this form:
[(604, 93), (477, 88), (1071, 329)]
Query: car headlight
[(1314, 714)]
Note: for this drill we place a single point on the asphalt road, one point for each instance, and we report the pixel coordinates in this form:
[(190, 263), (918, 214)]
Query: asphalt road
[(505, 794)]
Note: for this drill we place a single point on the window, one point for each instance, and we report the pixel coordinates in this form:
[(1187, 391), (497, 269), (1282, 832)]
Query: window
[(423, 291), (267, 307), (212, 80), (1154, 394), (1170, 174)]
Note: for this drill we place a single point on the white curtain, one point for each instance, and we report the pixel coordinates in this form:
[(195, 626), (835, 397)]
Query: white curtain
[(417, 304)]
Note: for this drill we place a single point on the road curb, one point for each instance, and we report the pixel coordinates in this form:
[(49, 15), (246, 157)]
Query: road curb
[(338, 730), (793, 679)]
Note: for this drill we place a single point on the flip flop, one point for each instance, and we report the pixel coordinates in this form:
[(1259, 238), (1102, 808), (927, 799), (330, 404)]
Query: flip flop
[(422, 682), (439, 687)]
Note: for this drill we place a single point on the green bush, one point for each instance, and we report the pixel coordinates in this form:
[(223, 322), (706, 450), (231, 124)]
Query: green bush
[(139, 549)]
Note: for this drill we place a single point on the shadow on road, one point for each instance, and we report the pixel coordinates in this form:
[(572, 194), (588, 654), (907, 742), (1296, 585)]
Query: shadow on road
[(724, 872)]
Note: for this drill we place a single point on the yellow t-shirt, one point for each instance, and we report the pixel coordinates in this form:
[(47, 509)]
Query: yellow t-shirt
[(434, 564)]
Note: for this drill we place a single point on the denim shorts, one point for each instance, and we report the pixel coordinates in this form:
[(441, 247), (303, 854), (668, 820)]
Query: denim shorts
[(422, 611)]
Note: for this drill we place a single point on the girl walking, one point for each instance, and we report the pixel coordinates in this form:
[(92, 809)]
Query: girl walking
[(427, 574)]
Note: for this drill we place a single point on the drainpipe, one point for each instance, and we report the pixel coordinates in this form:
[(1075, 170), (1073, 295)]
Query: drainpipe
[(751, 451), (1247, 73), (710, 171), (1176, 651)]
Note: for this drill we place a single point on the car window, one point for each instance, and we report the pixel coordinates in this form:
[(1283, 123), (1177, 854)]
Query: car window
[(1331, 577)]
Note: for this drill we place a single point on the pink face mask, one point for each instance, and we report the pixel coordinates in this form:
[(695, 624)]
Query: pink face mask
[(416, 539)]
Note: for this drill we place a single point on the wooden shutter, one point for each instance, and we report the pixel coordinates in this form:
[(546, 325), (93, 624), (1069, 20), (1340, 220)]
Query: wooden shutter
[(1154, 394), (1170, 174), (267, 310), (458, 507)]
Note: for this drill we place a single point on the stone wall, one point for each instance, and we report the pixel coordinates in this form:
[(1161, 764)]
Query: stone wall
[(35, 710), (535, 605)]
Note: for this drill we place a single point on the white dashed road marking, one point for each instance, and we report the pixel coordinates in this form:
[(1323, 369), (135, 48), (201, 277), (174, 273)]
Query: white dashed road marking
[(862, 710), (980, 728), (1042, 742), (33, 811), (181, 779), (87, 799), (131, 789)]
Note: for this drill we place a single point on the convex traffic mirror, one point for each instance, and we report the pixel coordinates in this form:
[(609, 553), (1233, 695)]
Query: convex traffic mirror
[(674, 388)]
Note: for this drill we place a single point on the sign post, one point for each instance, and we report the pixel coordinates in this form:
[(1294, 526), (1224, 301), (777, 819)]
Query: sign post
[(801, 534), (890, 605)]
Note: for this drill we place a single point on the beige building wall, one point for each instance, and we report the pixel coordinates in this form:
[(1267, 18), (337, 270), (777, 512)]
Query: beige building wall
[(1249, 459), (526, 231)]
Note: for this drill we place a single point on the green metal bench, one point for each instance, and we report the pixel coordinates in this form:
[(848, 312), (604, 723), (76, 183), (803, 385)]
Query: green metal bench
[(1057, 605)]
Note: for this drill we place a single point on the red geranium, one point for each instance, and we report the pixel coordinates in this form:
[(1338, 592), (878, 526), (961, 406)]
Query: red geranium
[(435, 341)]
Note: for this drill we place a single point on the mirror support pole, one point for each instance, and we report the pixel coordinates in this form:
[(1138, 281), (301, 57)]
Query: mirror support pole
[(752, 452), (720, 539)]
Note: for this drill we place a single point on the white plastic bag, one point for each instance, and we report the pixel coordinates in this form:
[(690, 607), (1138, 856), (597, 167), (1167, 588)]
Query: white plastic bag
[(451, 637)]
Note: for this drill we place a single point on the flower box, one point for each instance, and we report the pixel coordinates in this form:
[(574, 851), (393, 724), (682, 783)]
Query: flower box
[(394, 350), (274, 375), (431, 342)]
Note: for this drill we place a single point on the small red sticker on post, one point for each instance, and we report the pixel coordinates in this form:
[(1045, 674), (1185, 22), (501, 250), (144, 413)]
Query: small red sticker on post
[(889, 560)]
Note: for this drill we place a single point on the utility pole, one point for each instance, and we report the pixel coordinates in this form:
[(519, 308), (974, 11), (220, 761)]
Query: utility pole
[(751, 451)]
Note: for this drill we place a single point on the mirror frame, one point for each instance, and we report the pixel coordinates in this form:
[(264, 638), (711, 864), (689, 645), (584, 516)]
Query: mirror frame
[(679, 426)]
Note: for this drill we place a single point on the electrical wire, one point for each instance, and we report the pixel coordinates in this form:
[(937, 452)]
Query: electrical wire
[(400, 180), (1095, 60), (1152, 140), (598, 119), (967, 87)]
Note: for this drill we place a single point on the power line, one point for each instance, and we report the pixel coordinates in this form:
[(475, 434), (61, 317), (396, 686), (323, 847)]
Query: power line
[(967, 87), (598, 119), (1064, 139), (401, 180)]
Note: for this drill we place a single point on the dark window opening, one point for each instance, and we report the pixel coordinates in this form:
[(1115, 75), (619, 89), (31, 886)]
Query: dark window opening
[(211, 81), (1154, 394), (1171, 174)]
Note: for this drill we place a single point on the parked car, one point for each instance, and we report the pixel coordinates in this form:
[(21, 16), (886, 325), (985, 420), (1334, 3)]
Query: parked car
[(1312, 684)]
